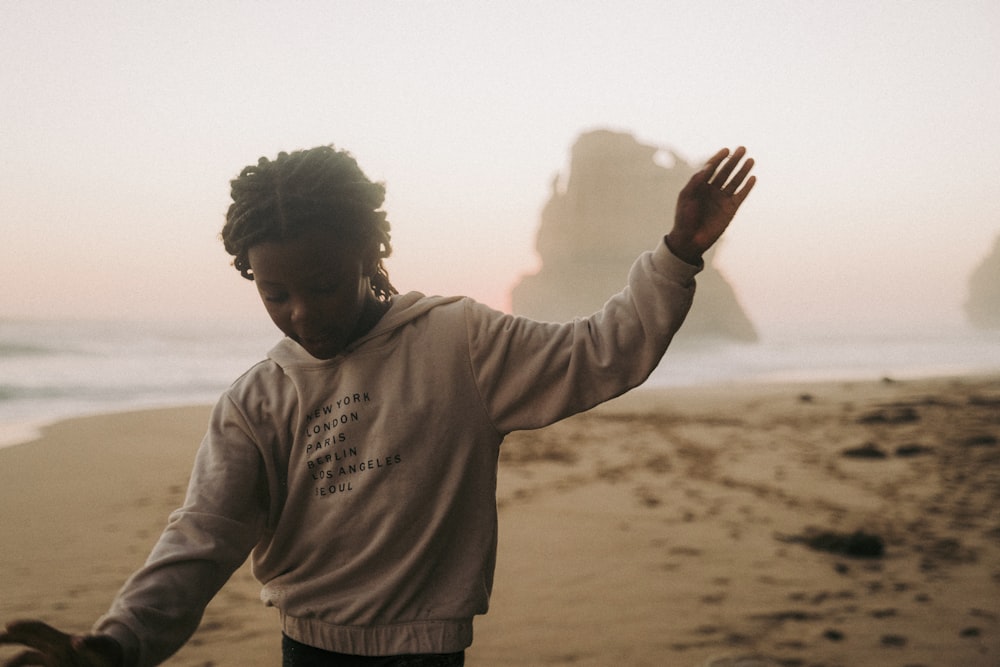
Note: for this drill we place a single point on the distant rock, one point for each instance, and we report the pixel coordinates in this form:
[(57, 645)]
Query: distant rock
[(617, 200), (982, 306)]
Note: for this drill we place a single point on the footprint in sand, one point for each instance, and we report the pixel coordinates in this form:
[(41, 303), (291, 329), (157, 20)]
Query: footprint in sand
[(894, 641), (743, 661)]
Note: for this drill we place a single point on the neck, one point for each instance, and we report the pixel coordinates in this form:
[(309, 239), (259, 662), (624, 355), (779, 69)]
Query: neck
[(373, 312)]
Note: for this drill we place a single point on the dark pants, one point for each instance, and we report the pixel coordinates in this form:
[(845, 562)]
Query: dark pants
[(296, 654)]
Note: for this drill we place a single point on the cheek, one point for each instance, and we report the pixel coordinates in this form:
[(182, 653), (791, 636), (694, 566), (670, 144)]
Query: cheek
[(275, 312)]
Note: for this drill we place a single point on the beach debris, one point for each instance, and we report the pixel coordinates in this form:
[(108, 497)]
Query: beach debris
[(975, 612), (947, 550), (970, 632), (987, 400), (884, 613), (858, 544), (648, 497), (982, 440), (869, 450), (787, 615), (834, 635), (892, 414), (893, 640), (913, 449)]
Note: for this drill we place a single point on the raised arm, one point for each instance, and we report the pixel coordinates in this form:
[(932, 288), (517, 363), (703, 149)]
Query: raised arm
[(708, 203)]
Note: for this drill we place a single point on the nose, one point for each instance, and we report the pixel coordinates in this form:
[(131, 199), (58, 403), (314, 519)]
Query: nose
[(302, 313)]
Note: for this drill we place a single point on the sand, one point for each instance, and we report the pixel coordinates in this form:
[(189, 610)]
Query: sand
[(670, 527)]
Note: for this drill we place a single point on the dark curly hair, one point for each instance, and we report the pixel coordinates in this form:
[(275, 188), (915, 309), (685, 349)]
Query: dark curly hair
[(278, 199)]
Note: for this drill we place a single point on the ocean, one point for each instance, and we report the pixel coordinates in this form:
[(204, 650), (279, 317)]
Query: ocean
[(51, 370)]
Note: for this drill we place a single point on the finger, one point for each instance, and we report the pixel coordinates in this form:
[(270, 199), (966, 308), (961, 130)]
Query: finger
[(713, 162), (51, 647), (742, 194), (734, 182), (35, 634), (703, 175), (727, 167)]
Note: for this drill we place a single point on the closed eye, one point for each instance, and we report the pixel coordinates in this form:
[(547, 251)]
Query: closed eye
[(274, 297)]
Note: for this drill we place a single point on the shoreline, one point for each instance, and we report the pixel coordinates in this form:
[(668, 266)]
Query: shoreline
[(17, 433), (27, 431), (668, 526)]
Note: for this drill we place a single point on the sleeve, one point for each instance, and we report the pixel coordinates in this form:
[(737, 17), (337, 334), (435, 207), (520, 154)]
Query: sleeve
[(204, 542), (531, 374)]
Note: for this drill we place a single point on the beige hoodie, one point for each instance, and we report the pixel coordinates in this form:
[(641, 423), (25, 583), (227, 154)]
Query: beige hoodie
[(365, 485)]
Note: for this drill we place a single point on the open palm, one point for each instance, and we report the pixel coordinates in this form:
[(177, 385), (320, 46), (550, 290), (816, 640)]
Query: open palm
[(708, 202)]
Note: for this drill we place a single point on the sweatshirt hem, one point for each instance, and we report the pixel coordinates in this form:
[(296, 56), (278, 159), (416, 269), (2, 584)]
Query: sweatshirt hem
[(447, 636)]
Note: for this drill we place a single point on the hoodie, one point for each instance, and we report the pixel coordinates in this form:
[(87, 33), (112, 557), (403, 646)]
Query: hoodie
[(363, 487)]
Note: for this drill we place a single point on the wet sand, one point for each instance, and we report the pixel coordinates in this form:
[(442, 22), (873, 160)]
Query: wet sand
[(825, 524)]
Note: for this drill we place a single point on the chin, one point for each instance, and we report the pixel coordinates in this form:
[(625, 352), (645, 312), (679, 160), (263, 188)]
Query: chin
[(321, 349)]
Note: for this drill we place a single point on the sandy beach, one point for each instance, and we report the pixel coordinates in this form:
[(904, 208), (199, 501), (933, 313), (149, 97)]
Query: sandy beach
[(848, 524)]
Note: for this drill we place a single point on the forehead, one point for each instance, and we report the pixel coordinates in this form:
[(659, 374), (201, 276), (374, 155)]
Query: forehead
[(310, 254)]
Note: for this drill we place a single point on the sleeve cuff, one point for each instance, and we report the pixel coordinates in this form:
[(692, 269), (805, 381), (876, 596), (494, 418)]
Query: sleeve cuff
[(125, 637), (670, 264)]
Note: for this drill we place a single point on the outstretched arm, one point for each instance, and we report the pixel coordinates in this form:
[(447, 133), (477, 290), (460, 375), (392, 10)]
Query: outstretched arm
[(51, 648), (708, 203)]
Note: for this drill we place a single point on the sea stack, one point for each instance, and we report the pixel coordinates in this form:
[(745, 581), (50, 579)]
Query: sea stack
[(982, 306), (616, 201)]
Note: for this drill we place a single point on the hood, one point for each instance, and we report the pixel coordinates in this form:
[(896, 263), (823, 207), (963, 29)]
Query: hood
[(403, 308)]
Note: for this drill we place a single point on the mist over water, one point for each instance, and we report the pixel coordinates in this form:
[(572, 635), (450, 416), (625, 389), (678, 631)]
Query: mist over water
[(50, 370), (818, 355)]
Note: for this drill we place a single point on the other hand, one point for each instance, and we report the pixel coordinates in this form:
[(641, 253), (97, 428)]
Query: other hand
[(708, 203), (51, 648)]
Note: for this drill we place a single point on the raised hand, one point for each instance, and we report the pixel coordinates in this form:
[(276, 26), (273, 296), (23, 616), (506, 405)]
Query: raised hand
[(51, 648), (708, 203)]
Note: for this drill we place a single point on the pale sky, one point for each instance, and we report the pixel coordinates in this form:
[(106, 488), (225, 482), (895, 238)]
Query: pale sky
[(874, 126)]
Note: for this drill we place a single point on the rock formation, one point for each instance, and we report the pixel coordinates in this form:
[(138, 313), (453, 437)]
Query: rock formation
[(982, 306), (617, 200)]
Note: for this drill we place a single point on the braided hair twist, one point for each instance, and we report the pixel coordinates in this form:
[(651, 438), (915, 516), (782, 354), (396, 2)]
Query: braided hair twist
[(278, 199)]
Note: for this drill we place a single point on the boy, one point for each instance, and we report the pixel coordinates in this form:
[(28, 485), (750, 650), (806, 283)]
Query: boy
[(357, 464)]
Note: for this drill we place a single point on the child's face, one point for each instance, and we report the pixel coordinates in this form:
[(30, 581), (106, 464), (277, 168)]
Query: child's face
[(315, 287)]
